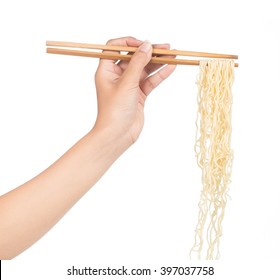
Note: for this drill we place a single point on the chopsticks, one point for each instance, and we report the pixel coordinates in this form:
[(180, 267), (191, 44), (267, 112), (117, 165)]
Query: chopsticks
[(71, 48)]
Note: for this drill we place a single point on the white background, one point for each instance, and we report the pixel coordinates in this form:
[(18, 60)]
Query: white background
[(143, 212)]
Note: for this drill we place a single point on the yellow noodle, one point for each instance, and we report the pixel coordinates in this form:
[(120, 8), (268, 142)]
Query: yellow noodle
[(213, 152)]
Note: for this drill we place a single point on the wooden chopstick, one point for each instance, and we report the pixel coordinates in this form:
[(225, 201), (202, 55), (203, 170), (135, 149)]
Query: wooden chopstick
[(118, 56), (133, 49), (157, 60)]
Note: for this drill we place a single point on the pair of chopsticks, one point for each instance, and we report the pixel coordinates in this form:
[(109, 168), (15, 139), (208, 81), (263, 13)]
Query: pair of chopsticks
[(76, 49)]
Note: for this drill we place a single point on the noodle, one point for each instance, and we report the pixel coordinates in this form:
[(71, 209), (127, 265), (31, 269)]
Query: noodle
[(213, 152)]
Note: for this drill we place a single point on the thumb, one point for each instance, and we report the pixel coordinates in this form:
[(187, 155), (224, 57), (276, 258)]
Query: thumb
[(137, 63)]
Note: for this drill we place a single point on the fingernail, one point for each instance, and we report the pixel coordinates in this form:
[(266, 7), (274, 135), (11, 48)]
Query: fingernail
[(145, 47)]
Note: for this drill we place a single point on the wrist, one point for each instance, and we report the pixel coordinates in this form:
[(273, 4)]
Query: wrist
[(111, 140)]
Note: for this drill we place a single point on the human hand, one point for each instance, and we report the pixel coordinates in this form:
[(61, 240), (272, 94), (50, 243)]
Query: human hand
[(122, 88)]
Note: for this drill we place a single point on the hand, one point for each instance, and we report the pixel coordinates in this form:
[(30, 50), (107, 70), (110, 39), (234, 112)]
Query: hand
[(122, 88)]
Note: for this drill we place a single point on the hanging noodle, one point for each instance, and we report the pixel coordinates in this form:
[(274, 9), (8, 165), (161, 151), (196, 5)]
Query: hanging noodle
[(213, 152)]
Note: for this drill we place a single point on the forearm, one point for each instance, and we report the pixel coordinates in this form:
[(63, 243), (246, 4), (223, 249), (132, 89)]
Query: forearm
[(29, 211)]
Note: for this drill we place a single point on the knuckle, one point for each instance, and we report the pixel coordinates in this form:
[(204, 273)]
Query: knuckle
[(130, 38), (98, 75), (122, 40), (110, 42)]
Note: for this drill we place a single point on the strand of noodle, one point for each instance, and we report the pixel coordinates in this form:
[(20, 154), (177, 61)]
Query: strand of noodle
[(213, 151)]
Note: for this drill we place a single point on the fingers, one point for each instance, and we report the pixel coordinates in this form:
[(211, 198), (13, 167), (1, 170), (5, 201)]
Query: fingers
[(123, 41), (153, 81), (138, 69), (151, 67)]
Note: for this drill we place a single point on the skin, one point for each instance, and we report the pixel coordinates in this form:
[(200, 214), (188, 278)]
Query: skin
[(32, 209)]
